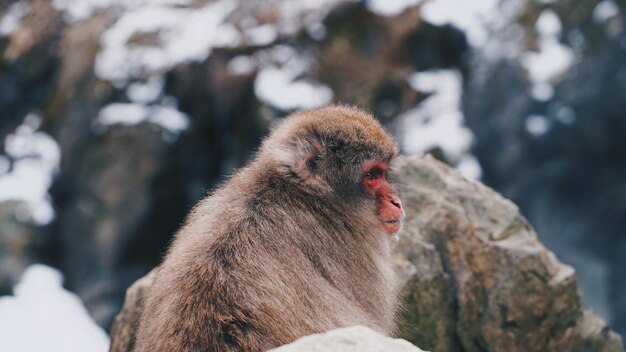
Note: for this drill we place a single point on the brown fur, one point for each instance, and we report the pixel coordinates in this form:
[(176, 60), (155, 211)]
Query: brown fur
[(289, 246)]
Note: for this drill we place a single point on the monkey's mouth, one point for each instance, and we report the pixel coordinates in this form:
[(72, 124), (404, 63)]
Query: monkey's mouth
[(392, 226)]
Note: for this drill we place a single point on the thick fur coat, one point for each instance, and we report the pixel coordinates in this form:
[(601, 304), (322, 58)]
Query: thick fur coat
[(289, 246)]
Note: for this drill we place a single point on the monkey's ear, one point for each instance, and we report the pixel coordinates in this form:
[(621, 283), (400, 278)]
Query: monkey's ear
[(301, 158), (307, 164)]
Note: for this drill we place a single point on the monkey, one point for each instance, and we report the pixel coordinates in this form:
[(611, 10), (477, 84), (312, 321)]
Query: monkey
[(296, 242)]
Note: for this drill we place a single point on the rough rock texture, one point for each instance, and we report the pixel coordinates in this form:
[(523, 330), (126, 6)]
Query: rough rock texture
[(478, 279), (352, 339), (125, 323), (476, 276)]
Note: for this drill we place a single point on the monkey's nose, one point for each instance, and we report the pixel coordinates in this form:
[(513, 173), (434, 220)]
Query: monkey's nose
[(396, 202)]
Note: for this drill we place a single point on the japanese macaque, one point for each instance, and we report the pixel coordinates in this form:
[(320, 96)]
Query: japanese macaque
[(297, 242)]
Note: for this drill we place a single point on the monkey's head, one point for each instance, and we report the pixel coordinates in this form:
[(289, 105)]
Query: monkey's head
[(342, 153)]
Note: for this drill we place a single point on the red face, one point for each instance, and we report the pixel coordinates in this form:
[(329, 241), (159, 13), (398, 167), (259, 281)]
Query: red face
[(388, 204)]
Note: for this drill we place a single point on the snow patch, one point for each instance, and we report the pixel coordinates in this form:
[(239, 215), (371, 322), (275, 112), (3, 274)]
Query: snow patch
[(277, 83), (537, 125), (36, 158), (294, 15), (145, 92), (184, 34), (390, 8), (79, 10), (149, 39), (261, 35), (241, 65), (604, 11), (42, 316), (438, 120), (469, 167), (12, 17), (167, 117), (551, 61), (489, 25), (472, 16), (279, 88)]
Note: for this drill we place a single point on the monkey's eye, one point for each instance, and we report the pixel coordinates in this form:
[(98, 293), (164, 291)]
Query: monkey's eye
[(374, 174)]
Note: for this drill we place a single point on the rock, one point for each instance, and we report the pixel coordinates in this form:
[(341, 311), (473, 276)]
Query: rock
[(476, 278), (352, 339), (125, 324)]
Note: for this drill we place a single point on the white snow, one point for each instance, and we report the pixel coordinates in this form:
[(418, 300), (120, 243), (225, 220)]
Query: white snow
[(167, 117), (42, 316), (241, 65), (294, 15), (542, 91), (551, 61), (123, 113), (12, 17), (79, 10), (184, 34), (548, 24), (471, 16), (438, 120), (356, 338), (277, 83), (278, 88), (604, 11), (36, 158), (490, 25), (145, 92), (261, 35), (469, 167), (390, 7), (537, 125)]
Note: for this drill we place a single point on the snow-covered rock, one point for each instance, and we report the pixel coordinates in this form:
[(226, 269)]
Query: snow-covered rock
[(42, 316), (351, 339)]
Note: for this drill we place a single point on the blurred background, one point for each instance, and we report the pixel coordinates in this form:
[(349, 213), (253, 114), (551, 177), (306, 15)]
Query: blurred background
[(117, 116)]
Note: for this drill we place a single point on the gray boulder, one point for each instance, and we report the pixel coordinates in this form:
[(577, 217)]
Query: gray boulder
[(352, 339), (476, 276)]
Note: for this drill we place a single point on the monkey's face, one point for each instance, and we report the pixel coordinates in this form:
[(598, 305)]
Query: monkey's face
[(388, 204), (341, 155)]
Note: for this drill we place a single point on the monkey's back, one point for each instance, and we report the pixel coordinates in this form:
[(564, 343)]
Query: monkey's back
[(247, 273)]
